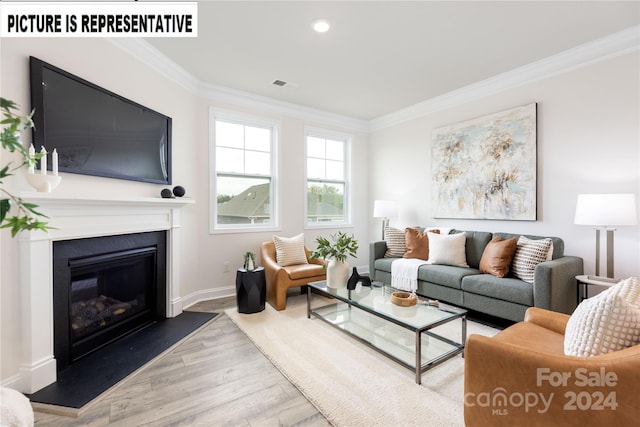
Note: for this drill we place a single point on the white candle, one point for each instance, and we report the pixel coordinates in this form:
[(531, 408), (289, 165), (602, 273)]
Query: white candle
[(43, 161), (32, 152), (54, 159)]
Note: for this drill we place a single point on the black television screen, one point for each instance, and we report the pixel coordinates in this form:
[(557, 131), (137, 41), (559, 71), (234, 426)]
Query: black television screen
[(95, 131)]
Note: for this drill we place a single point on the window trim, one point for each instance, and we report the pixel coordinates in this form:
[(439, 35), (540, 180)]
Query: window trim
[(246, 120), (348, 141)]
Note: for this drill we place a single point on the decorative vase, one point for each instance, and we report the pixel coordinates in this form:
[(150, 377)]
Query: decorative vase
[(337, 274)]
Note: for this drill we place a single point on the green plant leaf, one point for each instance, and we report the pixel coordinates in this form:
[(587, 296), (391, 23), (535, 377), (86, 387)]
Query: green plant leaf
[(5, 206)]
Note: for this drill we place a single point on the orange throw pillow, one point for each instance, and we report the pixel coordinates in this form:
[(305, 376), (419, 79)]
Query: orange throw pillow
[(497, 256), (417, 243)]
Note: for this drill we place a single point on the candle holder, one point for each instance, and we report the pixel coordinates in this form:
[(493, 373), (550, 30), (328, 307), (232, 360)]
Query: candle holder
[(43, 183)]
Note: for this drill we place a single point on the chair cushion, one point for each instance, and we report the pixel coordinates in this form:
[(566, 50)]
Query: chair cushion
[(290, 250), (532, 336), (302, 271), (607, 322)]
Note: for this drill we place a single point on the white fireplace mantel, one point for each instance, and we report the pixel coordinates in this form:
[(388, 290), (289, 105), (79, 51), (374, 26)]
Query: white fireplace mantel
[(77, 218)]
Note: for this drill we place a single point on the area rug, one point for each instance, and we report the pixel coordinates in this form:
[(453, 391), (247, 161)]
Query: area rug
[(351, 384), (96, 373)]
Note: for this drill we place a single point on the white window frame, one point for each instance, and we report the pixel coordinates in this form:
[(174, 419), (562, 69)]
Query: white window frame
[(216, 114), (348, 140)]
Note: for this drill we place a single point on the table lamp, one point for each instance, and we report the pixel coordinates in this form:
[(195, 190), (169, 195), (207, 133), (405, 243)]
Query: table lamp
[(605, 212), (385, 209)]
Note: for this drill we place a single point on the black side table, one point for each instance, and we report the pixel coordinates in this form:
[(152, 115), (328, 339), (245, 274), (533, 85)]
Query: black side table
[(251, 290)]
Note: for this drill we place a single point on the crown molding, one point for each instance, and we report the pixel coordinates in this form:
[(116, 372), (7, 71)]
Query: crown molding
[(603, 49), (606, 48), (146, 53)]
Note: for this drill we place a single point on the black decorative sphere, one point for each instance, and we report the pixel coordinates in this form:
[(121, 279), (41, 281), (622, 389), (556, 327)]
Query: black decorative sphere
[(166, 193), (178, 191)]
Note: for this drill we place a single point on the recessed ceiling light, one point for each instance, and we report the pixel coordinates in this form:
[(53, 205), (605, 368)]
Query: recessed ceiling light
[(321, 25)]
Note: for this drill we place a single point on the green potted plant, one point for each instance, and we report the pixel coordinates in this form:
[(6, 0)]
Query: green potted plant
[(27, 217), (336, 251)]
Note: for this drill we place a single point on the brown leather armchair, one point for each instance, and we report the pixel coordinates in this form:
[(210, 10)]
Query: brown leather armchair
[(521, 377), (279, 278)]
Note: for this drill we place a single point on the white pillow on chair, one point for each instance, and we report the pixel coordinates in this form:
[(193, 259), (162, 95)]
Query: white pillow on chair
[(290, 250)]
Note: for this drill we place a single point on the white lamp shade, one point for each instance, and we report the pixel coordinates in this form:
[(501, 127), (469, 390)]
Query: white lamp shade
[(385, 209), (606, 210)]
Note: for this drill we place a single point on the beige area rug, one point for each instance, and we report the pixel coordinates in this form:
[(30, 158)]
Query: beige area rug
[(350, 383)]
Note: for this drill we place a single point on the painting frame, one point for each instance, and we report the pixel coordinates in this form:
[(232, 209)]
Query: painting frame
[(486, 168)]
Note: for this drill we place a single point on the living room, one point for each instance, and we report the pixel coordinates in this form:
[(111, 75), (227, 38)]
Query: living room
[(588, 128)]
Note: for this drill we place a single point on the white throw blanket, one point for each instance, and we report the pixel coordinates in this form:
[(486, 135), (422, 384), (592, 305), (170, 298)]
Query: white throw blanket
[(404, 273)]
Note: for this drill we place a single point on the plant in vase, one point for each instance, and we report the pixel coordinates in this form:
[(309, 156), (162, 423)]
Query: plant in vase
[(27, 217), (336, 252)]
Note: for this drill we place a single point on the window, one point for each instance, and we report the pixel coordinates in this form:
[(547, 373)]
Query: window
[(327, 179), (243, 179)]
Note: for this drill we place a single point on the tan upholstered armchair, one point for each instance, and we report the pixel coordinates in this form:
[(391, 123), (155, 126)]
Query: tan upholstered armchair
[(521, 377), (279, 278)]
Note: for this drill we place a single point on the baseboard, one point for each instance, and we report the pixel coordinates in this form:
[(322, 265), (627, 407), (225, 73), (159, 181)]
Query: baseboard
[(207, 294)]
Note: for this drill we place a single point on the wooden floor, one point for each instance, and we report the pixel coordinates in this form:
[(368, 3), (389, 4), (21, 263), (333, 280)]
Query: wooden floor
[(218, 378)]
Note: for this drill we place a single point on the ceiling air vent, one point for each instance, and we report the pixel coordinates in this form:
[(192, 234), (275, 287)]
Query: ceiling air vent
[(279, 83)]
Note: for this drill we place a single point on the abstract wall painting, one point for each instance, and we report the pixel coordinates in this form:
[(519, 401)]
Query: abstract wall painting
[(485, 168)]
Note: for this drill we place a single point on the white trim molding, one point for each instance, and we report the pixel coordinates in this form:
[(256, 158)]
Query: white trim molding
[(77, 218), (608, 47)]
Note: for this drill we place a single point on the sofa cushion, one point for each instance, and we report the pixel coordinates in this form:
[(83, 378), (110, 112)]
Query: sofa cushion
[(505, 288), (417, 243), (474, 247), (445, 275), (529, 253), (557, 243), (290, 250), (497, 256), (607, 322), (384, 264), (395, 242), (447, 249)]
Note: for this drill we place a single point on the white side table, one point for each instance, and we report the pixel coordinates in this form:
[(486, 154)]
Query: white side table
[(584, 282)]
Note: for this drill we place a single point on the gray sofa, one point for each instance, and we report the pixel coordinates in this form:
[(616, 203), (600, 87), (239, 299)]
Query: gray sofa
[(554, 285)]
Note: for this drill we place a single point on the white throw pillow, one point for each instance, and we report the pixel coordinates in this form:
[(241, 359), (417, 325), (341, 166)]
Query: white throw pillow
[(290, 250), (607, 322), (447, 249), (396, 246), (529, 253)]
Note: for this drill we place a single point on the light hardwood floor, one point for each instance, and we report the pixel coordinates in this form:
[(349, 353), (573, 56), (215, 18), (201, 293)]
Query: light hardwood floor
[(216, 377)]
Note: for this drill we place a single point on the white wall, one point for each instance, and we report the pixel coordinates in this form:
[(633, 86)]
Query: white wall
[(203, 254), (588, 142)]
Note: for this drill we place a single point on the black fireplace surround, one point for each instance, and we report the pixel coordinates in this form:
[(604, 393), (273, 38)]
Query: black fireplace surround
[(105, 288)]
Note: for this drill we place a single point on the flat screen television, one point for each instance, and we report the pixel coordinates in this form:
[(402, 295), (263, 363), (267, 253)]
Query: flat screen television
[(95, 131)]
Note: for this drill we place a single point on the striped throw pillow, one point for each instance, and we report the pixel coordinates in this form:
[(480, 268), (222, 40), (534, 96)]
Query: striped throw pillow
[(529, 253), (290, 250), (395, 242)]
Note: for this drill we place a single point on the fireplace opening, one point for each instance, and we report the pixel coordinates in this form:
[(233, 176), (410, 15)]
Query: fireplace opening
[(104, 289)]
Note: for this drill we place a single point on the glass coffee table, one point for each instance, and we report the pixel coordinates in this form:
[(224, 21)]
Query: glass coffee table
[(404, 334)]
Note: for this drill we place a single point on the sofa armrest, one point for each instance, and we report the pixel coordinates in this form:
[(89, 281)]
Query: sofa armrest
[(552, 320), (376, 250), (554, 284), (498, 374)]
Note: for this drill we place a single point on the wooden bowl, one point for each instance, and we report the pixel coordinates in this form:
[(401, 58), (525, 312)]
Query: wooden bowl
[(404, 299)]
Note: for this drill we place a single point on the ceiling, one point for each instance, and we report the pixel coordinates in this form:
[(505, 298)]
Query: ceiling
[(381, 56)]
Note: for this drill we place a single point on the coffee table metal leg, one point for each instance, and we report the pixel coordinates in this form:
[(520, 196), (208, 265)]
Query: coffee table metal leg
[(308, 302), (418, 357), (464, 333)]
